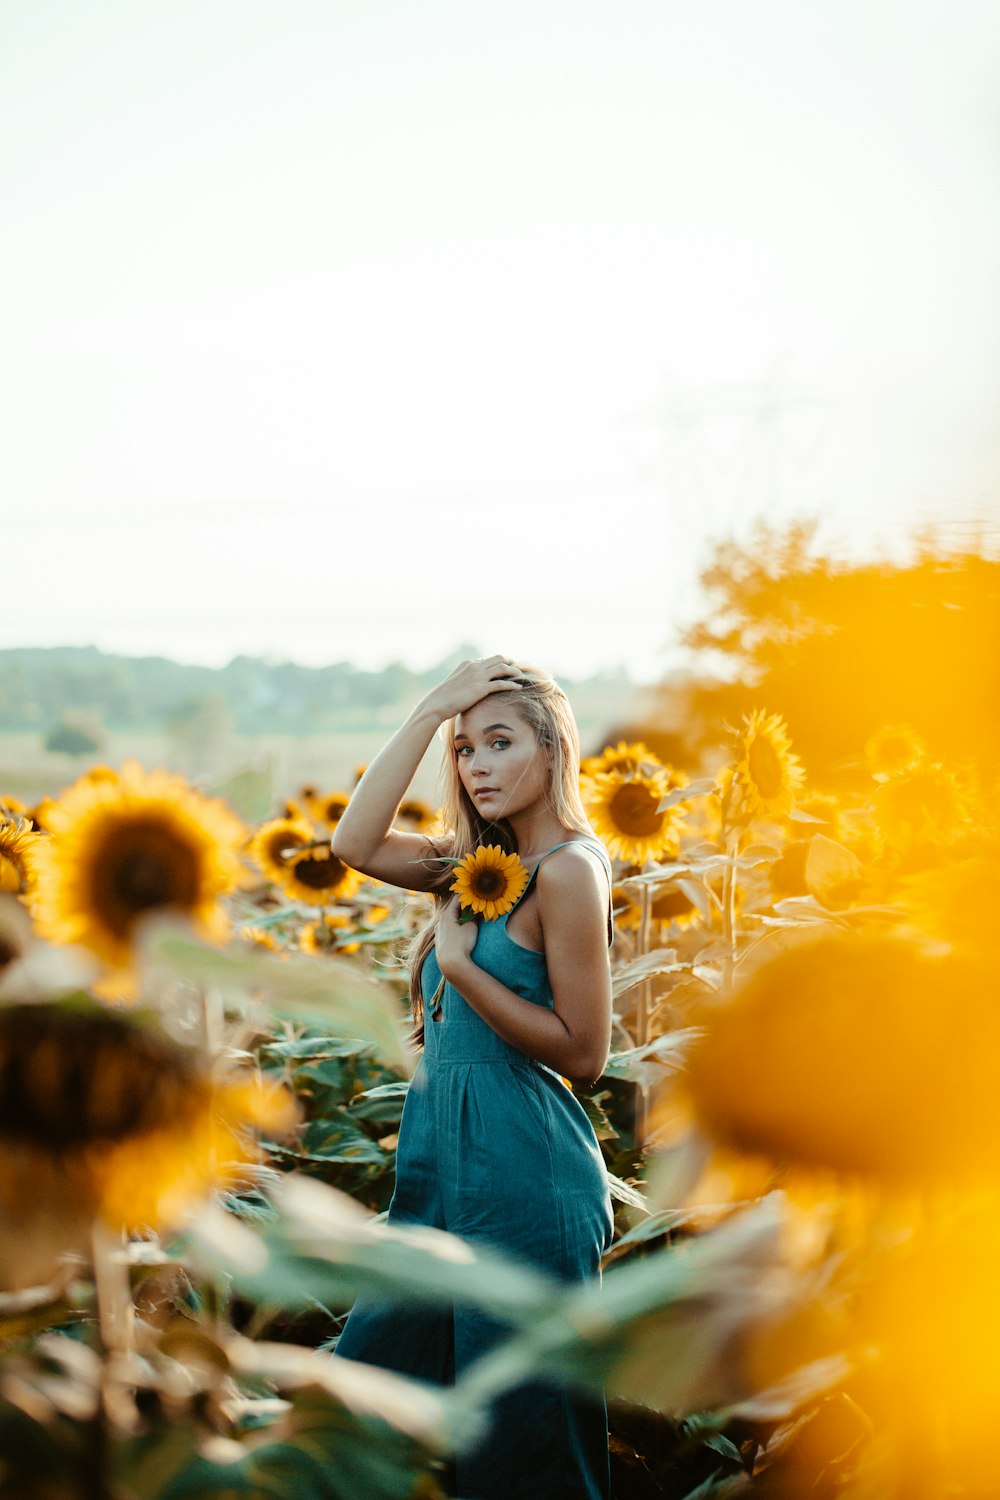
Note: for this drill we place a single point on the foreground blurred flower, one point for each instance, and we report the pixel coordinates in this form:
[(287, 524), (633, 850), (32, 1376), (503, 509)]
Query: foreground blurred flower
[(767, 774), (923, 805), (318, 877), (144, 843), (488, 882), (857, 1051), (274, 843), (18, 843), (893, 747), (101, 1116), (624, 809)]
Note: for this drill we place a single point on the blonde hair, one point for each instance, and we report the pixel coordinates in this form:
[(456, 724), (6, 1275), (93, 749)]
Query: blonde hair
[(543, 705)]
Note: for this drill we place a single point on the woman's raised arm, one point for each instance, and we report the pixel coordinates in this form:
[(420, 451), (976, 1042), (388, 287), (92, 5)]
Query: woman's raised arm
[(364, 838)]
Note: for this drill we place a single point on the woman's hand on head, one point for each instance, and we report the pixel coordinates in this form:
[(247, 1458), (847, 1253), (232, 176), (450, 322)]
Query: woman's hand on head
[(454, 940), (472, 681)]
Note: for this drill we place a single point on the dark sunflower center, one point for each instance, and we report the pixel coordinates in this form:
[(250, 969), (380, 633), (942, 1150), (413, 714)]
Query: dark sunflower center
[(281, 840), (671, 903), (322, 874), (334, 811), (765, 768), (489, 883), (141, 867), (633, 810)]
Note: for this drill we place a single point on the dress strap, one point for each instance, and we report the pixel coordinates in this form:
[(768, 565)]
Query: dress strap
[(596, 847)]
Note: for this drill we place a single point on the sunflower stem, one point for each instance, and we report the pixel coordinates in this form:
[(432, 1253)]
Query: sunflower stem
[(644, 1004), (729, 911)]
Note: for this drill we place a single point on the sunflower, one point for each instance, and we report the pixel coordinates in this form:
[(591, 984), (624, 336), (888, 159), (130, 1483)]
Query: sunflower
[(319, 877), (261, 937), (669, 904), (624, 808), (833, 1054), (767, 774), (18, 843), (624, 757), (489, 882), (12, 806), (100, 773), (329, 807), (103, 1116), (416, 815), (122, 850), (926, 803), (276, 841), (893, 747), (325, 935)]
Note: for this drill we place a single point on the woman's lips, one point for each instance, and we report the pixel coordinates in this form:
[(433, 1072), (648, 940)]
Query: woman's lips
[(486, 791)]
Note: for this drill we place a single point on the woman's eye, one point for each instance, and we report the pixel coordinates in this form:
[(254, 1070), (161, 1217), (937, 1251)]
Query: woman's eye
[(462, 749), (502, 743)]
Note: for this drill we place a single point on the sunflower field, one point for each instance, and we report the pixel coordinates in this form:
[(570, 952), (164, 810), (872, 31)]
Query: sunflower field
[(203, 1061)]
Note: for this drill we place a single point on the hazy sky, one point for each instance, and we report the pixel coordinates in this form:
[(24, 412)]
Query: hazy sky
[(356, 329)]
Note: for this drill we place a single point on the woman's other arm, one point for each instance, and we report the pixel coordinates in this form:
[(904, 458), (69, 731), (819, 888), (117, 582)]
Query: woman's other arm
[(574, 1037)]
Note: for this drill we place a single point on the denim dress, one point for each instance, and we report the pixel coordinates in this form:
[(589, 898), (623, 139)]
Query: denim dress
[(494, 1147)]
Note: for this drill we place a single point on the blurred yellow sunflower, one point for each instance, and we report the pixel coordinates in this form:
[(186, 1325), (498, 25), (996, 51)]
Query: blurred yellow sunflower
[(669, 904), (893, 747), (261, 937), (103, 1116), (329, 807), (326, 934), (624, 809), (123, 850), (40, 814), (274, 843), (624, 757), (767, 774), (12, 806), (926, 803), (18, 842), (319, 877), (488, 882), (858, 1052), (99, 773), (416, 815)]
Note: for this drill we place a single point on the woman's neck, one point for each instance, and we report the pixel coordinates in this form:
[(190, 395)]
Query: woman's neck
[(536, 831)]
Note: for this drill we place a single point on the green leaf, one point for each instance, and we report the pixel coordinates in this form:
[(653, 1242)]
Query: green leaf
[(702, 788), (334, 992)]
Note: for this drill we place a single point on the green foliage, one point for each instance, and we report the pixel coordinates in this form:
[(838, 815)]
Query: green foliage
[(72, 739)]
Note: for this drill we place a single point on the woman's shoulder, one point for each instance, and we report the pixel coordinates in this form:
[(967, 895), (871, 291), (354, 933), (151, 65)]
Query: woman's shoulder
[(573, 864)]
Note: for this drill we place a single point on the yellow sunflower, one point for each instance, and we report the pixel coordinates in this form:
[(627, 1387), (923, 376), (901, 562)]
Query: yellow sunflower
[(319, 877), (18, 843), (274, 843), (122, 850), (416, 815), (326, 934), (767, 774), (488, 882), (624, 809), (669, 904), (13, 807), (329, 807), (926, 803), (103, 1116), (893, 747), (261, 937), (625, 757), (99, 773)]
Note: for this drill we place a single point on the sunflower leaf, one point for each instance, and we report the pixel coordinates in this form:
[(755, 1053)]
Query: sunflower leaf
[(702, 788)]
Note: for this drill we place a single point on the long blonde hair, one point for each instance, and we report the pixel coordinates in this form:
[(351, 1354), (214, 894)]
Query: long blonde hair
[(543, 705)]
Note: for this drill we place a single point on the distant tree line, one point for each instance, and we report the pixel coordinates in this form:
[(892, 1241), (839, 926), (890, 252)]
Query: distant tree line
[(42, 687)]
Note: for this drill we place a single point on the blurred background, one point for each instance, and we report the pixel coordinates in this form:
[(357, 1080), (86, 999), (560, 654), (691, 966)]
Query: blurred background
[(364, 337)]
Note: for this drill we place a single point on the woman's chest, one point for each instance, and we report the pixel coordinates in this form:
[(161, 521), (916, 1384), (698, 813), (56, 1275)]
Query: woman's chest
[(524, 926)]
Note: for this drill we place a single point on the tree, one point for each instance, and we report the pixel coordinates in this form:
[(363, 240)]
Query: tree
[(842, 648)]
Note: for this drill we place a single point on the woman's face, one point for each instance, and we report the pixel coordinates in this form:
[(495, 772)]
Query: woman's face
[(501, 765)]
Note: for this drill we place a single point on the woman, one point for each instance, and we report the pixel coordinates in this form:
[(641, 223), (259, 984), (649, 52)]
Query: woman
[(492, 1145)]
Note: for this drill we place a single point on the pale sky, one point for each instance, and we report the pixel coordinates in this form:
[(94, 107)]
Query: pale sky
[(353, 330)]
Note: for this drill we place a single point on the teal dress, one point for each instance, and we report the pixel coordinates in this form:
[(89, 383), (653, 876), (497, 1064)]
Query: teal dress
[(495, 1148)]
